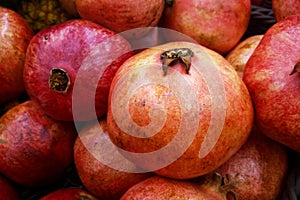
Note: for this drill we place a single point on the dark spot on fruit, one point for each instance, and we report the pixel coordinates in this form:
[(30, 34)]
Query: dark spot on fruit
[(59, 80), (46, 37), (143, 102)]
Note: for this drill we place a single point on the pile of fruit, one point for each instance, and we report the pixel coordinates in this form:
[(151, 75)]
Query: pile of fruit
[(152, 99)]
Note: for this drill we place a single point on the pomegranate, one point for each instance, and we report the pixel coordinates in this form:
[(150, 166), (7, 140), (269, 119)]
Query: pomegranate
[(8, 191), (241, 53), (273, 85), (15, 36), (120, 16), (285, 8), (96, 175), (174, 108), (259, 168), (57, 53), (69, 193), (162, 188), (35, 150), (218, 25)]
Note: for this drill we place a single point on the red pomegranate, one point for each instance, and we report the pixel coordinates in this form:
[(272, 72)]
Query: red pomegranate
[(217, 25), (57, 53), (258, 170), (99, 177), (174, 109), (69, 194), (285, 8), (15, 36), (274, 84), (35, 150), (120, 16), (162, 188)]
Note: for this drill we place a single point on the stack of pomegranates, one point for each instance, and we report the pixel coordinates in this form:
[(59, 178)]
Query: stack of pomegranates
[(149, 100)]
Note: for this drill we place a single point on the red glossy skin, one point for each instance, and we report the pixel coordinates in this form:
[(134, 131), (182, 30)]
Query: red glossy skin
[(218, 25), (35, 150), (274, 91), (285, 8), (238, 119), (258, 169), (100, 179), (15, 35), (120, 16), (7, 190), (69, 193), (66, 46), (164, 189)]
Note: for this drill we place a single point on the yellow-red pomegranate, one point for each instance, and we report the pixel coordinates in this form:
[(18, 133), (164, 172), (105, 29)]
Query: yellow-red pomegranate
[(176, 121), (258, 170), (121, 15), (218, 25), (99, 177)]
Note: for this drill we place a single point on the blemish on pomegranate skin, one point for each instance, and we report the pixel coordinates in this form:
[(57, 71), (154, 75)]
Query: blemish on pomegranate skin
[(143, 102), (45, 38)]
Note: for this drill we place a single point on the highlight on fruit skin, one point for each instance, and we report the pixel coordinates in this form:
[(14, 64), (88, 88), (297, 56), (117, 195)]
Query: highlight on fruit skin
[(42, 13)]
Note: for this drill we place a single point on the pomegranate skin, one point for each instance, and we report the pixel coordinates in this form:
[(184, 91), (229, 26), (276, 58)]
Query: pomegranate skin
[(15, 36), (69, 194), (100, 179), (35, 150), (273, 90), (285, 8), (120, 16), (258, 170), (163, 188), (66, 46), (241, 53), (8, 191), (141, 128), (217, 25)]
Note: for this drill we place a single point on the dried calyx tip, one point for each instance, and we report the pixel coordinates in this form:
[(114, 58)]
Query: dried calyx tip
[(59, 80)]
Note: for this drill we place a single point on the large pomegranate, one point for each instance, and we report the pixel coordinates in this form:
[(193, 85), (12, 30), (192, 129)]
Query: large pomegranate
[(15, 36), (274, 84), (121, 15), (98, 176), (177, 119), (258, 170), (57, 53), (218, 25), (35, 150)]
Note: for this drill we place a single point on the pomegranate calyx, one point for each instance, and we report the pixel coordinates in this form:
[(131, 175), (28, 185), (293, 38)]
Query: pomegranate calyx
[(59, 80), (225, 185), (296, 68), (173, 56)]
